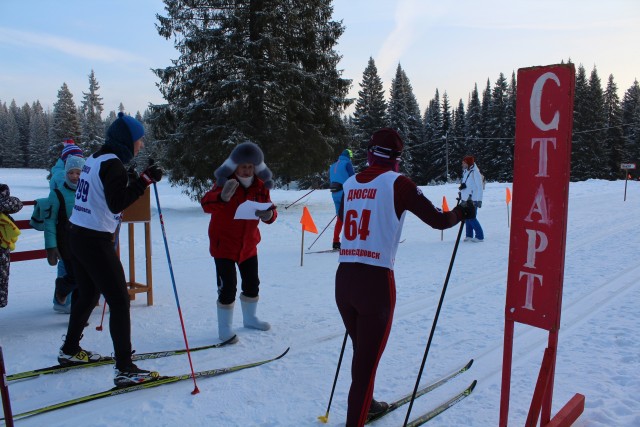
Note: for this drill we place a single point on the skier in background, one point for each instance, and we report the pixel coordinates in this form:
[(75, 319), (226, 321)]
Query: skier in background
[(472, 184), (339, 172)]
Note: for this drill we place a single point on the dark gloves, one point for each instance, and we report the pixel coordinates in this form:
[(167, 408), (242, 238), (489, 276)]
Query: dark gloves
[(462, 186), (228, 189), (478, 203), (152, 173), (265, 215), (467, 209), (53, 256)]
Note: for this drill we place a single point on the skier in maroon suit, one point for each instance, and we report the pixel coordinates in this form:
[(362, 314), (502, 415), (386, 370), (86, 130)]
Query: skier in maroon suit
[(373, 210)]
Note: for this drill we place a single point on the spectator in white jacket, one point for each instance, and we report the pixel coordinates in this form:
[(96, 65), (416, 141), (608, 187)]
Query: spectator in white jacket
[(472, 185)]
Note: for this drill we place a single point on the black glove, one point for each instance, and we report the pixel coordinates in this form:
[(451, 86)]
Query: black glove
[(228, 189), (53, 256), (467, 209), (478, 203), (152, 173), (462, 186), (265, 215)]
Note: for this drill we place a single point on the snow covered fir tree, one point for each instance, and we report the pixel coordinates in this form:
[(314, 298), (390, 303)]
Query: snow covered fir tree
[(269, 73)]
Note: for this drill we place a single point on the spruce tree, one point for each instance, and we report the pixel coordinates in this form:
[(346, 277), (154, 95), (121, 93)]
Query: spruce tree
[(92, 124), (254, 70), (65, 124), (38, 138), (10, 152), (432, 119), (22, 116), (631, 122), (370, 112), (415, 137), (111, 117), (496, 159), (580, 151), (614, 138), (598, 150), (457, 141), (473, 123), (447, 138), (404, 116), (430, 152)]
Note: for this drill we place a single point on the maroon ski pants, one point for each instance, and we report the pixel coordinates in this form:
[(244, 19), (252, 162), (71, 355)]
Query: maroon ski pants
[(366, 298)]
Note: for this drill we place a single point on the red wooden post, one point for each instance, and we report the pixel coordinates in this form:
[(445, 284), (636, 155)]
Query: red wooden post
[(4, 390)]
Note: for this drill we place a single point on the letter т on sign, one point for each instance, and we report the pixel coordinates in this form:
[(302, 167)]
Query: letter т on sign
[(542, 164)]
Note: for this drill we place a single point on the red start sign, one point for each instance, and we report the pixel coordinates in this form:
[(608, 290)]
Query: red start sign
[(544, 119)]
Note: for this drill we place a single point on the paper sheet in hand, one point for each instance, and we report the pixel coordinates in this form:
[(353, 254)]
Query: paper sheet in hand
[(247, 210)]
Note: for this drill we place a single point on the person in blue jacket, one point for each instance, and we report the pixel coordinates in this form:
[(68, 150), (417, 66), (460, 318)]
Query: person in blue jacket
[(339, 172), (57, 180), (62, 200)]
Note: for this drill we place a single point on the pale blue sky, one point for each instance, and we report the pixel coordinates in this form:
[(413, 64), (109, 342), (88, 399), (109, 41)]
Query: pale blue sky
[(449, 45)]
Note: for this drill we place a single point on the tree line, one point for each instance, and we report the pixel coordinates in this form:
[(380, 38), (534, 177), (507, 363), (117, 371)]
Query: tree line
[(606, 129), (268, 73), (32, 137)]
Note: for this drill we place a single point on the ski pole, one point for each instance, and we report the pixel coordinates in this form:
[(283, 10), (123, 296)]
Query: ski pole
[(325, 418), (175, 291), (4, 390), (287, 207), (327, 226), (435, 321)]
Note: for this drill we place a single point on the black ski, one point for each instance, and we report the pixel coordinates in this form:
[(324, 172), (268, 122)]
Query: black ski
[(442, 407), (160, 381), (421, 392), (58, 369)]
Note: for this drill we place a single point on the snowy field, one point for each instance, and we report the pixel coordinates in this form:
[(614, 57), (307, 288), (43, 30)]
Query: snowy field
[(598, 355)]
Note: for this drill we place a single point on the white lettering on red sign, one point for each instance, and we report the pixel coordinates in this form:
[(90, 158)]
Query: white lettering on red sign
[(537, 240), (536, 100)]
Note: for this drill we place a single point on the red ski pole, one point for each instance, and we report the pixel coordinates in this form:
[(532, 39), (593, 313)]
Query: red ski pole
[(104, 308), (175, 290)]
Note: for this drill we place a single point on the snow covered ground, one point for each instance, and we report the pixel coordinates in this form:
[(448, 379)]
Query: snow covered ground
[(598, 356)]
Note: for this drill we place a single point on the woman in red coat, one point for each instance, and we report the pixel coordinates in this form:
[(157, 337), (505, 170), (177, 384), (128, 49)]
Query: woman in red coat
[(243, 176)]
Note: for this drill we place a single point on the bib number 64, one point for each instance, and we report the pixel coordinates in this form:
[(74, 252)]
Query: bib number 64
[(356, 226)]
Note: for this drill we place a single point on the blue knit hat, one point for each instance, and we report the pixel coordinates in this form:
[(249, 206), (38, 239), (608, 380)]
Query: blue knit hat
[(121, 135)]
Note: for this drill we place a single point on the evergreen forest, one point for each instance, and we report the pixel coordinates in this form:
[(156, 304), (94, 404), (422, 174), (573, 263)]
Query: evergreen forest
[(269, 73)]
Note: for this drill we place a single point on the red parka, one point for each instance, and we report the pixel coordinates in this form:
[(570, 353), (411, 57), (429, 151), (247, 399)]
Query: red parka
[(234, 239)]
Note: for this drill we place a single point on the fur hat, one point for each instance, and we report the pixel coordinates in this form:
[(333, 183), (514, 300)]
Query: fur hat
[(69, 148), (469, 160), (247, 152), (386, 143)]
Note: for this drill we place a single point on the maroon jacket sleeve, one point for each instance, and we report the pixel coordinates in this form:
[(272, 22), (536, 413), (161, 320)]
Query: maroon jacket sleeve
[(408, 197)]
